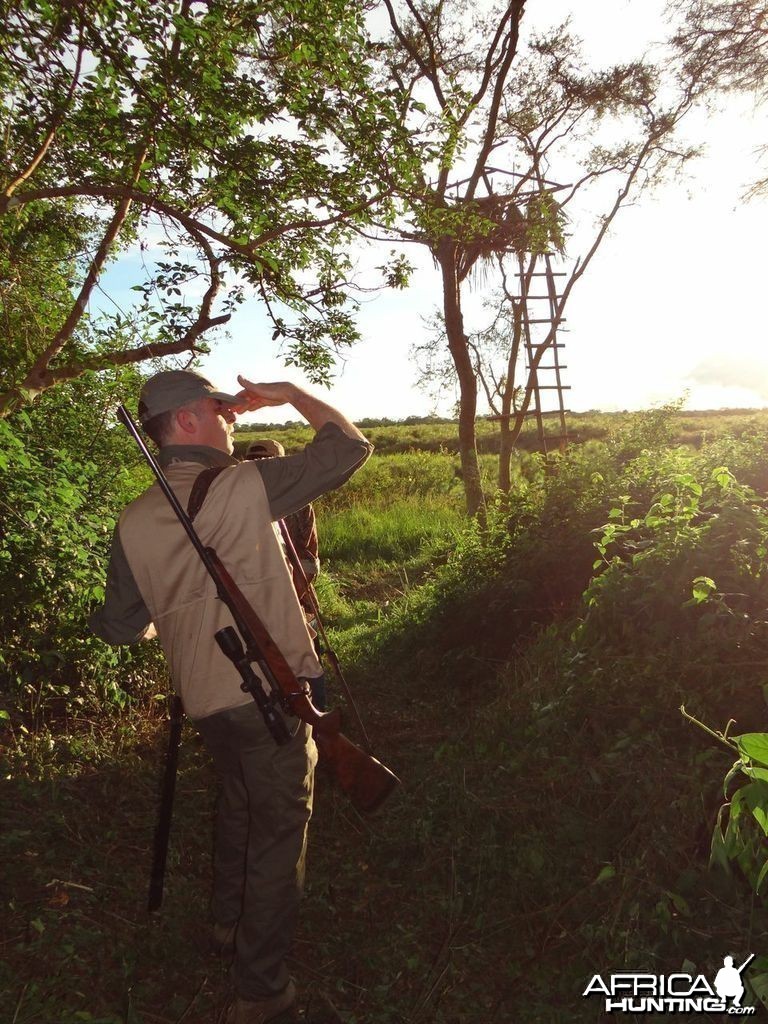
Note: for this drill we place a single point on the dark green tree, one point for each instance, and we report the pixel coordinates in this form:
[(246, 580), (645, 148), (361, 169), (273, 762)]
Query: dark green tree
[(248, 133), (65, 474)]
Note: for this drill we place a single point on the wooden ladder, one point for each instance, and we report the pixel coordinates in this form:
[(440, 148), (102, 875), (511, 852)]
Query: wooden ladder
[(541, 330)]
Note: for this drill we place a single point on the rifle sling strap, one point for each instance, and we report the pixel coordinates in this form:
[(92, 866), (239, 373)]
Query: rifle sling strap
[(198, 495), (200, 490)]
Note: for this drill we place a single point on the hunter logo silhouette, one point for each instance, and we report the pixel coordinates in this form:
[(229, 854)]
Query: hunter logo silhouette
[(728, 983)]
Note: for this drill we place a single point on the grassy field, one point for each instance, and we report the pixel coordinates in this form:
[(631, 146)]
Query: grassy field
[(556, 809), (691, 427)]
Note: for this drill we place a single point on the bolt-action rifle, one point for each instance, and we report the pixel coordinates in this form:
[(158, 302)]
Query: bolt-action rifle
[(365, 780), (163, 827)]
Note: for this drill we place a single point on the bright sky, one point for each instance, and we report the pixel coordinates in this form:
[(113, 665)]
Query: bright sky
[(672, 302)]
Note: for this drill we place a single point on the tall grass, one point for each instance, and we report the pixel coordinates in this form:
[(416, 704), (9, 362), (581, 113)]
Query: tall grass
[(397, 509), (386, 480), (408, 529)]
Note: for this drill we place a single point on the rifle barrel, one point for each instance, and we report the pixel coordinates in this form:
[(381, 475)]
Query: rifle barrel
[(163, 827)]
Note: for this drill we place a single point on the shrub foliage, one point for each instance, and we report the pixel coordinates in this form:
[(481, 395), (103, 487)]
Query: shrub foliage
[(65, 474)]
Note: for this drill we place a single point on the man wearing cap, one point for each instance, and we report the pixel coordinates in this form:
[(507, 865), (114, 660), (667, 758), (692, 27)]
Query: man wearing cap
[(156, 581), (301, 528), (301, 525)]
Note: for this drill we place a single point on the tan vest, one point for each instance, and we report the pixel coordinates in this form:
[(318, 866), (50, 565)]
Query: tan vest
[(235, 520)]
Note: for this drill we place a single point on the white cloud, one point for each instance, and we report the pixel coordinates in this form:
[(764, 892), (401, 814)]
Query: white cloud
[(744, 370)]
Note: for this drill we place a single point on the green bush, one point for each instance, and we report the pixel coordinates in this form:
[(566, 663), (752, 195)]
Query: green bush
[(745, 454), (685, 578), (687, 561), (64, 480)]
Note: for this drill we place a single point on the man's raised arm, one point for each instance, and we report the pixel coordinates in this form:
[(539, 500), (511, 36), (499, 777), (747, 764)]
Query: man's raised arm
[(316, 412)]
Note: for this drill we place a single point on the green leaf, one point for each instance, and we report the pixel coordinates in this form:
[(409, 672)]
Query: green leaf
[(737, 769), (753, 745), (755, 796), (680, 903), (703, 587), (718, 854), (759, 985), (760, 814), (606, 873)]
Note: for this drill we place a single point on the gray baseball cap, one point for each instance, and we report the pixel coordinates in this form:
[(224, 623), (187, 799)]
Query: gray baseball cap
[(172, 389), (264, 449)]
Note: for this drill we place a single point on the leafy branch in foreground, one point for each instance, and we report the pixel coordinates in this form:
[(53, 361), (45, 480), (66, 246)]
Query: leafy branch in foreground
[(243, 132), (740, 834)]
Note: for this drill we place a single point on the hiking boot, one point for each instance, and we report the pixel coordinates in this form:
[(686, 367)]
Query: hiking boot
[(259, 1011), (223, 940)]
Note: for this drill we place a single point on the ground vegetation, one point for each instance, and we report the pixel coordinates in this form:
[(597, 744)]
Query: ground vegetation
[(558, 813)]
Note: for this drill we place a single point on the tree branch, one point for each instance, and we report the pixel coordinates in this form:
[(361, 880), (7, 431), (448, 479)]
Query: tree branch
[(55, 123), (433, 77), (479, 372), (192, 224), (124, 357), (414, 53), (490, 63), (45, 377), (510, 43), (65, 331)]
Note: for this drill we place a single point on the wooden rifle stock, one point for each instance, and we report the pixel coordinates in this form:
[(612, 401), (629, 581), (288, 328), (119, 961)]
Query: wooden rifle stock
[(365, 780)]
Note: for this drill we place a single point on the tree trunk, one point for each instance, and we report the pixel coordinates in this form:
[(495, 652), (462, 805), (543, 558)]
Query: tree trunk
[(506, 446), (457, 343), (509, 434)]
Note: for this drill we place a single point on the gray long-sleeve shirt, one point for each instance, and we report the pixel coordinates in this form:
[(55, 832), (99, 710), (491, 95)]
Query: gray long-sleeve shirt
[(290, 483)]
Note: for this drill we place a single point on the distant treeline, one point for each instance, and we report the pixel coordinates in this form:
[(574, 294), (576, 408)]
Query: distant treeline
[(368, 421), (412, 421)]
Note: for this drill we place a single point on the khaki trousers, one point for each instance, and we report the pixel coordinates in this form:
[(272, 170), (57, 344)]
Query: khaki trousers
[(264, 806)]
